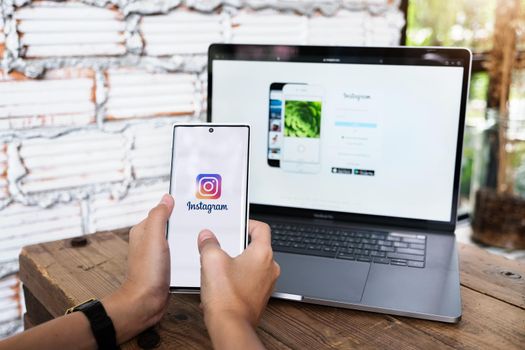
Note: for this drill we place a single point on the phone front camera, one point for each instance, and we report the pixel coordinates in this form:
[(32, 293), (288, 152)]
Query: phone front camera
[(210, 130)]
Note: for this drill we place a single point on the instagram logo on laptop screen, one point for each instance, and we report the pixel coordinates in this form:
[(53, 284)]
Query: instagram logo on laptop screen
[(208, 186)]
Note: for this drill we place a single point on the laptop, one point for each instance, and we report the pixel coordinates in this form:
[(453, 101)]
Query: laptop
[(355, 165)]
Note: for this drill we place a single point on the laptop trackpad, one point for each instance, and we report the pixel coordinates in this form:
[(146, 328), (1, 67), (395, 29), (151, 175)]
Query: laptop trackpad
[(321, 278)]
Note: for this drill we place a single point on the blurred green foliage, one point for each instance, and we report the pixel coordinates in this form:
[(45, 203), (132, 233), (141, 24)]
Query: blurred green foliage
[(467, 23), (302, 119), (517, 162), (479, 86), (467, 163)]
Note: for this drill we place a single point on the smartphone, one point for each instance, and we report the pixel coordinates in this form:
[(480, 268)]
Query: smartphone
[(275, 124), (302, 120), (209, 181)]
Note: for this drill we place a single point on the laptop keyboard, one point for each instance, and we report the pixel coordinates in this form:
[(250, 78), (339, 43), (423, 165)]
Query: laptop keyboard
[(378, 247)]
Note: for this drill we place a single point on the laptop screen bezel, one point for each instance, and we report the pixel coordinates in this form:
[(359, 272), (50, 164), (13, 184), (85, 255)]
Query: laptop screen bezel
[(365, 55)]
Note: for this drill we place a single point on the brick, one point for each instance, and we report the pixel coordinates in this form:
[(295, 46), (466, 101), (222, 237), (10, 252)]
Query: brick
[(137, 94), (344, 28), (63, 97), (204, 92), (22, 225), (181, 32), (384, 30), (73, 160), (268, 28), (4, 194), (108, 212), (50, 29), (10, 306), (371, 5), (300, 6), (151, 152), (2, 35)]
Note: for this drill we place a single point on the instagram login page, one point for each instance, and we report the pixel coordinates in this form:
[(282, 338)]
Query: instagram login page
[(366, 139), (209, 179)]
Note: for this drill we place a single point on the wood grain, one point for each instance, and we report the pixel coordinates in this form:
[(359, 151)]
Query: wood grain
[(306, 326), (57, 276), (27, 322), (61, 276), (487, 323), (492, 275), (34, 307)]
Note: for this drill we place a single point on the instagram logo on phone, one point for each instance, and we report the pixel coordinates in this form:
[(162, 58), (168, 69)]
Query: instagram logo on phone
[(208, 186)]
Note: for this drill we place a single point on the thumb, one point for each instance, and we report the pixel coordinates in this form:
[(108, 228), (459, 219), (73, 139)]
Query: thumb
[(158, 216), (207, 241)]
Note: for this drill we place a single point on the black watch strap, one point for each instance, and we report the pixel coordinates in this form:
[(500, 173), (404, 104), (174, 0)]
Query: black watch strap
[(101, 324)]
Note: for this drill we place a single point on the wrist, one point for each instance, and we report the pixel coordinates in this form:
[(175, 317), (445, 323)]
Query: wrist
[(222, 318), (127, 313), (230, 330)]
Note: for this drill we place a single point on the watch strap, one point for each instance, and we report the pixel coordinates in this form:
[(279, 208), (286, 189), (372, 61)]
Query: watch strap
[(101, 325)]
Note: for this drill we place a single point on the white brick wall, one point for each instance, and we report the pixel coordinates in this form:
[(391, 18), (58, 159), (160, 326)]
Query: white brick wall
[(48, 29), (4, 195), (2, 35), (107, 211), (89, 89), (64, 97), (9, 310), (182, 32), (138, 94), (150, 158), (21, 225), (75, 160)]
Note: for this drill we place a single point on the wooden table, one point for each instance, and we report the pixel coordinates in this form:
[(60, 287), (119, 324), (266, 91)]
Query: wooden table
[(57, 276)]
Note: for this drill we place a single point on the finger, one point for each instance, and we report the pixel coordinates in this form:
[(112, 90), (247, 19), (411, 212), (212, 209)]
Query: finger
[(259, 233), (158, 216), (168, 200), (137, 229), (136, 233), (207, 241), (277, 269)]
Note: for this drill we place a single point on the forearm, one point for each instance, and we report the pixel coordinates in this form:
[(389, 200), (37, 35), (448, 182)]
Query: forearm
[(74, 330), (231, 332), (61, 333)]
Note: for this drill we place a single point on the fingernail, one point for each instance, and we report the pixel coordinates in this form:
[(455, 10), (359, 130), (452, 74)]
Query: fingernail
[(165, 199), (204, 235)]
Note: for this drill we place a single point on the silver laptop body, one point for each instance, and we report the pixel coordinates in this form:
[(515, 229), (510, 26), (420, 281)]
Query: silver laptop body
[(356, 159)]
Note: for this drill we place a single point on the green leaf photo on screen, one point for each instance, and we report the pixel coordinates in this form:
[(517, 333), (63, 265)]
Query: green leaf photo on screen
[(302, 119)]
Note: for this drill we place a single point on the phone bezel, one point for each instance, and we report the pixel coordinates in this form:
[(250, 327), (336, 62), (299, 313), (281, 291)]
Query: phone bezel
[(196, 290)]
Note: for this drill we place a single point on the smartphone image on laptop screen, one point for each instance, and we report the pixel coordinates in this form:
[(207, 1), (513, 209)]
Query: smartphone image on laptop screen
[(302, 118), (275, 120), (209, 181)]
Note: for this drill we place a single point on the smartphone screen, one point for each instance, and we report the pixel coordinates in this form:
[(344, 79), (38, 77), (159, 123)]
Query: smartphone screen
[(209, 181), (275, 134), (302, 118)]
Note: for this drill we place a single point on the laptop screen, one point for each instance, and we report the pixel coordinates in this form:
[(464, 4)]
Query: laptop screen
[(362, 135)]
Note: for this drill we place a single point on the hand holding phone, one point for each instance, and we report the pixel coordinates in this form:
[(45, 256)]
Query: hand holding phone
[(209, 180), (235, 291)]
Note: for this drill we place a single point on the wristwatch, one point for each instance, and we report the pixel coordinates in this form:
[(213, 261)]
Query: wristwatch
[(101, 325)]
